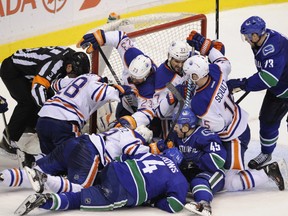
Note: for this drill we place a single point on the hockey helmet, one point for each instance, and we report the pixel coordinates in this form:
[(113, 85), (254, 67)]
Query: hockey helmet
[(179, 50), (186, 120), (140, 67), (80, 63), (253, 24), (146, 133), (173, 154), (198, 65)]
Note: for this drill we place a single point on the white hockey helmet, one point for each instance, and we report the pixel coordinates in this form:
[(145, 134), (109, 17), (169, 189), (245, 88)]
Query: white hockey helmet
[(140, 67), (179, 50), (146, 133), (198, 65)]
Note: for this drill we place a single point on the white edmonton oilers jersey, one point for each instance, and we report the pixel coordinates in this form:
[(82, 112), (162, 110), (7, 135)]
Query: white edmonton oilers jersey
[(214, 105), (117, 141), (79, 99), (164, 75), (144, 101)]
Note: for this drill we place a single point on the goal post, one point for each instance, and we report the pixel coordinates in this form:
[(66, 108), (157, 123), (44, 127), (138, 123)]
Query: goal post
[(152, 34)]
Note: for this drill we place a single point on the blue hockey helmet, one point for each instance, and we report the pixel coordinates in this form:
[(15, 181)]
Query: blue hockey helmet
[(173, 154), (186, 119), (253, 24)]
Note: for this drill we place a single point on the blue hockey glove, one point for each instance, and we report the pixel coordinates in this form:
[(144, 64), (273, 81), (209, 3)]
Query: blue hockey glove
[(3, 105), (182, 89), (125, 90), (104, 80), (92, 41), (174, 154), (235, 85), (199, 42)]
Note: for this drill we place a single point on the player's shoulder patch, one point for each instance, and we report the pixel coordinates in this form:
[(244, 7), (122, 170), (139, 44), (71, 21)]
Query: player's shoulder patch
[(268, 49)]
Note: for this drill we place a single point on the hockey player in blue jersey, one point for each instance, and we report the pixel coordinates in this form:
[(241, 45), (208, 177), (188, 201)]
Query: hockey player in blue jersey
[(203, 162), (270, 50), (132, 182), (139, 72)]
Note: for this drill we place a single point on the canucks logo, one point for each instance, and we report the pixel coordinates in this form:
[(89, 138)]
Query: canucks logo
[(268, 49)]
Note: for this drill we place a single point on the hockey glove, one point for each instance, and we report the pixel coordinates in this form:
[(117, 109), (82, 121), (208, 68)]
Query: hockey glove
[(199, 42), (125, 90), (127, 121), (235, 85), (182, 89), (3, 105), (219, 46), (104, 80), (171, 99), (92, 41), (160, 146)]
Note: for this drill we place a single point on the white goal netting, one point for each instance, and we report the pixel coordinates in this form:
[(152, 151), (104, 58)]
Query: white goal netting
[(152, 34)]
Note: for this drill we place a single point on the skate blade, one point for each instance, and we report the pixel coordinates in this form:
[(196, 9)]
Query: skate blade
[(284, 171), (192, 208), (23, 209), (34, 183)]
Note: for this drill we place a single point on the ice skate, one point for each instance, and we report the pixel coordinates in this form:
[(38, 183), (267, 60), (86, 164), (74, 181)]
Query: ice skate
[(202, 208), (36, 178), (6, 148), (30, 203), (25, 159), (259, 161), (277, 171), (1, 177)]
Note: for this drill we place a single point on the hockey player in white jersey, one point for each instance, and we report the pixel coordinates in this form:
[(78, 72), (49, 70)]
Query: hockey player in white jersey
[(213, 104), (139, 72), (64, 115), (171, 70), (216, 109), (80, 158)]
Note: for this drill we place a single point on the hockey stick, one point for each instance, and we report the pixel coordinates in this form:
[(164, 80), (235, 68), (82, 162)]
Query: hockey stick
[(242, 97), (129, 99), (217, 20), (6, 129), (181, 102), (189, 91)]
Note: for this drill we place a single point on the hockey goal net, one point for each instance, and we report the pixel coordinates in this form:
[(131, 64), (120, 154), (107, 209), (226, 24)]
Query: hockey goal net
[(152, 34)]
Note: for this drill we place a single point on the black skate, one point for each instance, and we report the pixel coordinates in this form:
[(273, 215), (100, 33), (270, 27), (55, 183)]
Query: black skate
[(36, 178), (6, 147), (32, 202), (273, 171), (259, 161), (25, 159), (202, 208), (1, 177)]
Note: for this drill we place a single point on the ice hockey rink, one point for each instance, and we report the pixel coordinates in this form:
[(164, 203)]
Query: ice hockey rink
[(266, 200)]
